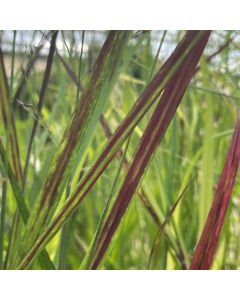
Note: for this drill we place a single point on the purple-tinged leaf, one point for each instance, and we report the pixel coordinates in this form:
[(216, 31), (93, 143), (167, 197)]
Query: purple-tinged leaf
[(169, 72), (152, 136), (204, 253)]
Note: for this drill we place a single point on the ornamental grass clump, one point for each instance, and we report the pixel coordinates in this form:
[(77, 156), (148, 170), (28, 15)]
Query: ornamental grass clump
[(110, 149)]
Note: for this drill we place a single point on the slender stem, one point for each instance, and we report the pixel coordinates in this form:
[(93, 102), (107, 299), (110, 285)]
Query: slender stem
[(26, 73), (96, 240), (40, 102), (4, 187), (157, 55)]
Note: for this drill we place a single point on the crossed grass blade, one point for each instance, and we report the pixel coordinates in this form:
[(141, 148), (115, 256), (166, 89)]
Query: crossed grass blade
[(146, 201), (163, 225), (145, 101), (206, 246), (152, 136), (77, 135), (104, 123), (44, 259), (141, 193)]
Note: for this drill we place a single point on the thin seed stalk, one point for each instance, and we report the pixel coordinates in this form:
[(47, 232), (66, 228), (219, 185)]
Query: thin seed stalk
[(40, 102)]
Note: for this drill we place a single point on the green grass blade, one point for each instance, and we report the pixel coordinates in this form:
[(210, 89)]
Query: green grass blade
[(163, 225), (206, 247), (8, 130), (26, 73), (141, 194), (4, 101), (78, 132), (40, 102), (151, 93), (157, 55), (44, 258), (152, 136), (88, 259)]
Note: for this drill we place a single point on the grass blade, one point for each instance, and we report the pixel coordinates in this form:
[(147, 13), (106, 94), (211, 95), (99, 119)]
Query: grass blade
[(44, 258), (40, 101), (157, 55), (147, 98), (205, 249), (8, 130), (143, 197), (22, 205), (78, 132), (4, 101), (15, 177), (86, 263), (28, 69), (163, 225), (153, 134)]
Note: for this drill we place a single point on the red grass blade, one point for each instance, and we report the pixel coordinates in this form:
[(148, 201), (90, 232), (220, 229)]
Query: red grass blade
[(167, 74), (203, 255), (152, 136), (76, 134), (143, 197)]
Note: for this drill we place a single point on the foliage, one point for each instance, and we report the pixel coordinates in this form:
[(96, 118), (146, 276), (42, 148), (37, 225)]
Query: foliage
[(111, 147)]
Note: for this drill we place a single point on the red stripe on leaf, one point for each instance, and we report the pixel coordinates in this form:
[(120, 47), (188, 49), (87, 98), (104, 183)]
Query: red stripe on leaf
[(203, 255)]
